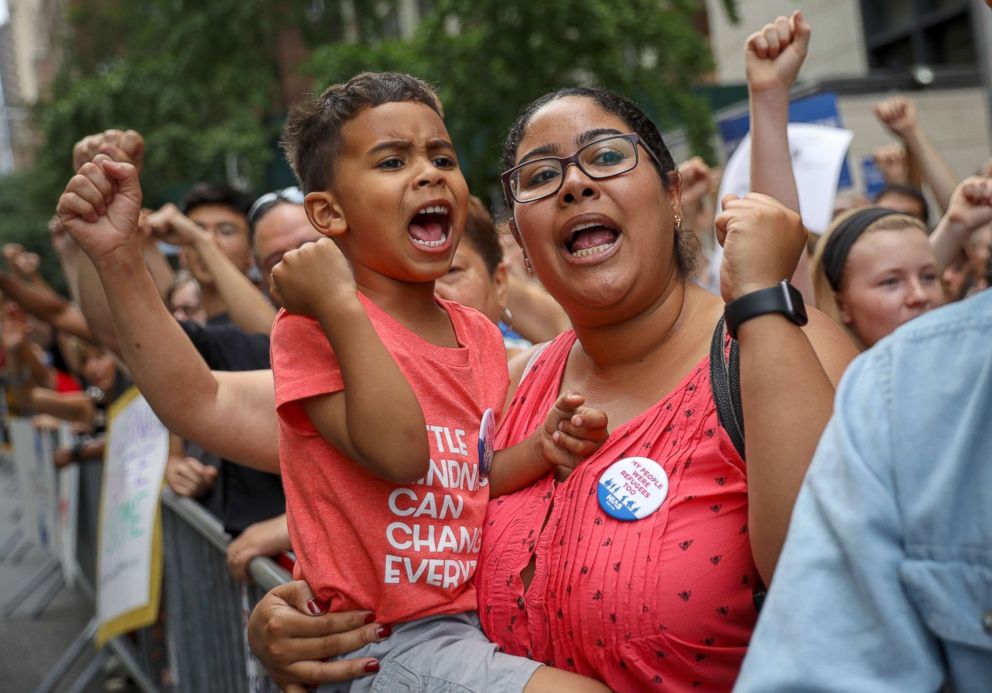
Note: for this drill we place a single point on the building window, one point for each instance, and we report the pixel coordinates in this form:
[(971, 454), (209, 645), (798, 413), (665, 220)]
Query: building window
[(902, 33)]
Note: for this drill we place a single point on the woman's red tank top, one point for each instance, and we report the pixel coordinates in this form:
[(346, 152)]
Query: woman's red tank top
[(665, 602)]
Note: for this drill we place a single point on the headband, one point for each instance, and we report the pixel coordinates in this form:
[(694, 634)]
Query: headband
[(844, 237)]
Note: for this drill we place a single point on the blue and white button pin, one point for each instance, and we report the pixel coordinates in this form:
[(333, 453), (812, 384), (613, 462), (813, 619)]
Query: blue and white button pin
[(487, 432), (632, 488)]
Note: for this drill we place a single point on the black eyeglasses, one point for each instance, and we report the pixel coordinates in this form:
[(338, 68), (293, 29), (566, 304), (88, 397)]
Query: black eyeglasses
[(603, 158), (263, 204)]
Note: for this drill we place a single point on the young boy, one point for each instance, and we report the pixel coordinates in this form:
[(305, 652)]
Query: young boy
[(381, 388)]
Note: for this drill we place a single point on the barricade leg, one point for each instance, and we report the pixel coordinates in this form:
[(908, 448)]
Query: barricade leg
[(67, 660), (11, 543), (48, 568), (46, 597), (89, 674), (125, 651)]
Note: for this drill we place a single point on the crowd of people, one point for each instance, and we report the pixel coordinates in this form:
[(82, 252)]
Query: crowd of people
[(546, 451)]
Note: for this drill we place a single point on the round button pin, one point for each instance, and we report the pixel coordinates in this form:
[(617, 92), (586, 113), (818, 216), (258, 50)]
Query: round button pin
[(632, 488), (487, 432)]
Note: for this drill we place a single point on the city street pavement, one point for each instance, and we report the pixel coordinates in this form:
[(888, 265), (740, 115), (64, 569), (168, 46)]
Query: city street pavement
[(38, 621)]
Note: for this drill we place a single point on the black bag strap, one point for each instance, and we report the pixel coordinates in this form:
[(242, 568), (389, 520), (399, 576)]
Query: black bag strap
[(725, 380)]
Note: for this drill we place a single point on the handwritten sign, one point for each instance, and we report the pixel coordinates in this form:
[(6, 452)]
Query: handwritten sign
[(129, 570)]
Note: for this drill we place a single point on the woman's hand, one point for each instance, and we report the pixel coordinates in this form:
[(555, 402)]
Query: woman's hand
[(294, 646), (762, 242)]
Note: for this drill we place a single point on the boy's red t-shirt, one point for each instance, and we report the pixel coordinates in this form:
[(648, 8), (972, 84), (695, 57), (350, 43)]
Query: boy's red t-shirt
[(405, 551)]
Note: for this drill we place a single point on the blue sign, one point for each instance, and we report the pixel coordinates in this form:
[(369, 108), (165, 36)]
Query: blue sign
[(819, 109), (872, 175)]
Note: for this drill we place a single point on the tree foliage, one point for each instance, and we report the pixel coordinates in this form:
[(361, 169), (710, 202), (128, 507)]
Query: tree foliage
[(491, 57), (197, 79), (202, 81)]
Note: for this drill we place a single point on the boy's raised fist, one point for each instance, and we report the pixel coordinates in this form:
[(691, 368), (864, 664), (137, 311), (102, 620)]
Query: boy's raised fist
[(313, 278)]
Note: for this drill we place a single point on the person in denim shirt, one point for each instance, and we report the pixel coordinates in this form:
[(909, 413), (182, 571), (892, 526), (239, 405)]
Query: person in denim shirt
[(885, 581)]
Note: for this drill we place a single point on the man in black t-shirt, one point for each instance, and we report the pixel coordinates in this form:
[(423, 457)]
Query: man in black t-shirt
[(249, 496)]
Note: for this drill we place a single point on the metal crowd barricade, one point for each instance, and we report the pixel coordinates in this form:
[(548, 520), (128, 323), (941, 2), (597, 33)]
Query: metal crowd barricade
[(205, 609), (87, 525)]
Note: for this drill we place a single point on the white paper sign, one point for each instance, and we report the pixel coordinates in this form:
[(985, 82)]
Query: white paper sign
[(36, 482), (137, 450), (818, 153)]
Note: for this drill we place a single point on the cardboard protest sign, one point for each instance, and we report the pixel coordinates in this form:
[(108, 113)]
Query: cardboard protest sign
[(129, 572)]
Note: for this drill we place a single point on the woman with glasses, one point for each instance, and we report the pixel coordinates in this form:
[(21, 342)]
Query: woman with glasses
[(665, 593), (644, 567)]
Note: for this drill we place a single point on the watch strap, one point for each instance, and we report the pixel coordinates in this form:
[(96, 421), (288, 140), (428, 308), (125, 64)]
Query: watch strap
[(782, 298)]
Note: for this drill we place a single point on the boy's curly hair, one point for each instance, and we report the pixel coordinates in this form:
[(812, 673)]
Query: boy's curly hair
[(312, 137)]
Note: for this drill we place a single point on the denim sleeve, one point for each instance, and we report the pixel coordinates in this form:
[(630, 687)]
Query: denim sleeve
[(837, 617)]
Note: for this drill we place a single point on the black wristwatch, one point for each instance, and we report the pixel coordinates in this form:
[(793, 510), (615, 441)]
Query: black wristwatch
[(782, 298)]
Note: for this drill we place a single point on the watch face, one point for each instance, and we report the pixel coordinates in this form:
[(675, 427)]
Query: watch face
[(798, 304)]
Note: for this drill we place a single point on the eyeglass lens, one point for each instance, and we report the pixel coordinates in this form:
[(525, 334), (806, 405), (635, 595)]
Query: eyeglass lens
[(600, 159)]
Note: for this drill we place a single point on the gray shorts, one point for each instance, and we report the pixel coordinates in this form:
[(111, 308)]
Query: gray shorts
[(439, 654)]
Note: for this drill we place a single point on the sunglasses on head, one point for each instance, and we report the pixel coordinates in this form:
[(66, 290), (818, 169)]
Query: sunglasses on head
[(263, 204)]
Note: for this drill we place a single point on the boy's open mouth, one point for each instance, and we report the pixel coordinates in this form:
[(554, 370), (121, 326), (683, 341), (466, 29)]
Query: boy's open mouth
[(430, 227), (591, 238)]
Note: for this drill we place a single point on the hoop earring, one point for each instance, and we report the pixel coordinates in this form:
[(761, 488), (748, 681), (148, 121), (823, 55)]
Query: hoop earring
[(508, 317), (530, 270)]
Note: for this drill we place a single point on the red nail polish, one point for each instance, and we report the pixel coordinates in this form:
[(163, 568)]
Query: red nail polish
[(384, 631), (369, 618), (313, 606), (371, 667)]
